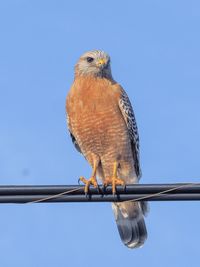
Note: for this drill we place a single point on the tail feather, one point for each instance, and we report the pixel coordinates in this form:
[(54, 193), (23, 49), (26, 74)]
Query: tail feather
[(129, 217)]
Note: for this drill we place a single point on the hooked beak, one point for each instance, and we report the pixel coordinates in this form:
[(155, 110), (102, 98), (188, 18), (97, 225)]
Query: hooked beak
[(101, 62)]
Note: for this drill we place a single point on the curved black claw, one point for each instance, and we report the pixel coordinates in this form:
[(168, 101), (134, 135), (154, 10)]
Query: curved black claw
[(97, 188), (124, 188), (104, 188), (86, 192)]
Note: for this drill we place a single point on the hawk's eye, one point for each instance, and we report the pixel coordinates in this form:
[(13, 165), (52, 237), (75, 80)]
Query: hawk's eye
[(90, 59)]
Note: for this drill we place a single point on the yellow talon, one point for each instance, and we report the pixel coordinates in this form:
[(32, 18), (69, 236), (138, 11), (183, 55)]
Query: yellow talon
[(114, 181), (91, 181)]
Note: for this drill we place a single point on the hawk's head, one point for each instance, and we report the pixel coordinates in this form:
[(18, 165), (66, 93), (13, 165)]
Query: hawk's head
[(94, 63)]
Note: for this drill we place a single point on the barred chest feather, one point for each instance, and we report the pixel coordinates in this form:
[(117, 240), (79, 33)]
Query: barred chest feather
[(95, 118)]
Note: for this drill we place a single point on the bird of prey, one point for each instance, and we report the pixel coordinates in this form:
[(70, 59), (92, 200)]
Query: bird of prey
[(102, 126)]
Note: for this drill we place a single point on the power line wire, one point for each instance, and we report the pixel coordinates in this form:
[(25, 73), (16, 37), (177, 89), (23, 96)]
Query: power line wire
[(72, 193)]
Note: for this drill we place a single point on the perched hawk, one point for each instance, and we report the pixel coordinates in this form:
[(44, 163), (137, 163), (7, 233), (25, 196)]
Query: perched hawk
[(102, 126)]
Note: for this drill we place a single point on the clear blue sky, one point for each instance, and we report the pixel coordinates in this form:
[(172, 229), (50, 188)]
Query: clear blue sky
[(154, 46)]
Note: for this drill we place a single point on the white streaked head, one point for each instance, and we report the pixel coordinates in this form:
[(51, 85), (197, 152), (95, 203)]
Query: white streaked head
[(94, 63)]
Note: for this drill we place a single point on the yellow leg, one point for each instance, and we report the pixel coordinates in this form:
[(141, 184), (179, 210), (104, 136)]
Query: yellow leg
[(92, 180), (114, 180)]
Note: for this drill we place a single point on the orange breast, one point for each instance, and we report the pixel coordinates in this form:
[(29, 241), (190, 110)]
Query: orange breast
[(95, 118)]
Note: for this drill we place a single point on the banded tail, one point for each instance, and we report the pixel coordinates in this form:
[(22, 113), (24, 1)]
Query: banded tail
[(129, 217)]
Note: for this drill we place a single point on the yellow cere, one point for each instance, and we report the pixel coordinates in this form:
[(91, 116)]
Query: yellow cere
[(101, 61)]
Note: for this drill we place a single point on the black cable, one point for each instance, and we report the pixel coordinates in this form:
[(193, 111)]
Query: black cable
[(129, 189), (73, 193), (22, 199)]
